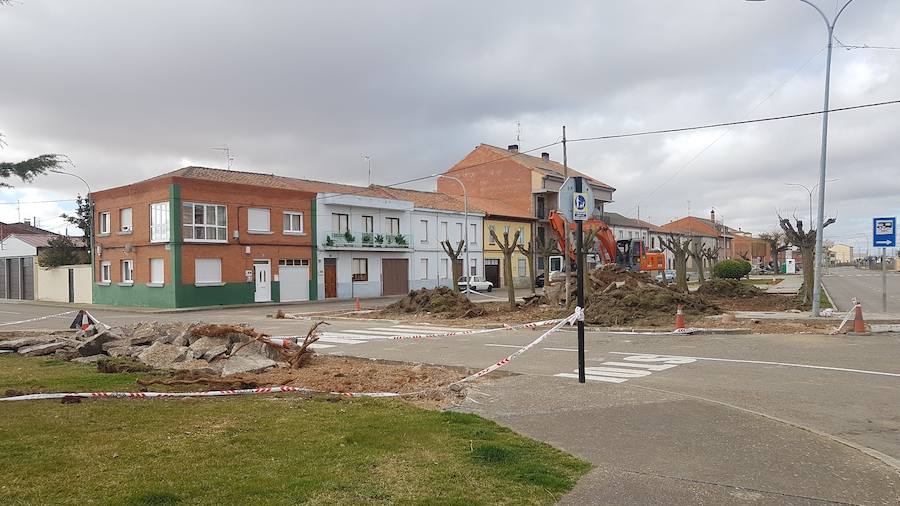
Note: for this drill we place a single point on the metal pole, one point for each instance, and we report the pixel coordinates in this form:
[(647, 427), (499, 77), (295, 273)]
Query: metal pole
[(568, 263), (883, 280), (579, 246), (466, 267)]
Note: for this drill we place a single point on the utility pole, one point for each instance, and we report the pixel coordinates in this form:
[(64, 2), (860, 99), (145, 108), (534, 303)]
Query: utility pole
[(579, 246), (568, 263)]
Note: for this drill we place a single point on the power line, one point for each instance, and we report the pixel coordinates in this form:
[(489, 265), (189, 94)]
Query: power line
[(733, 123), (37, 202)]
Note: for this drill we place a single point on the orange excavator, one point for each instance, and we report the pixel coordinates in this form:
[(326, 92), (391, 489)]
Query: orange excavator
[(629, 253)]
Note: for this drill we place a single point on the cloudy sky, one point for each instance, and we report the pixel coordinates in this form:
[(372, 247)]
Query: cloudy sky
[(131, 89)]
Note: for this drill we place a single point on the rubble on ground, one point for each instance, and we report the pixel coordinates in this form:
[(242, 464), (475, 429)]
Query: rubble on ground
[(729, 288), (440, 301), (210, 349), (617, 296)]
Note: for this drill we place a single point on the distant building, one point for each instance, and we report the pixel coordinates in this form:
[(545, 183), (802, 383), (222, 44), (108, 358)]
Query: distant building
[(841, 253), (19, 270)]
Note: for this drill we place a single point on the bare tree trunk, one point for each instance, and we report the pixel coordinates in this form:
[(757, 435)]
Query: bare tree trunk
[(529, 256), (696, 253), (680, 251), (507, 249), (454, 254)]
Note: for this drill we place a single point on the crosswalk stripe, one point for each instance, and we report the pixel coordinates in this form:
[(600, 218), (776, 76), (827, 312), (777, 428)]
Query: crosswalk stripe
[(317, 345), (429, 328), (592, 377), (352, 336), (338, 340), (386, 333)]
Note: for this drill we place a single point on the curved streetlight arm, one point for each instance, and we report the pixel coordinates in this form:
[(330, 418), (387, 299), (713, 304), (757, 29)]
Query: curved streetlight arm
[(828, 22), (467, 272), (90, 220)]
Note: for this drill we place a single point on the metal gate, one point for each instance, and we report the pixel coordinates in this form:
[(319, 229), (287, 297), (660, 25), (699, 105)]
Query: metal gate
[(394, 276), (492, 270), (17, 278)]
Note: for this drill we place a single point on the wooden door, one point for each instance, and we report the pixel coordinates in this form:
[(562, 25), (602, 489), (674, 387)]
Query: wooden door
[(492, 271), (330, 278), (394, 276)]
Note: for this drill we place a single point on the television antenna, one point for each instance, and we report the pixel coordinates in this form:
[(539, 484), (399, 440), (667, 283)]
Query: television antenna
[(228, 156)]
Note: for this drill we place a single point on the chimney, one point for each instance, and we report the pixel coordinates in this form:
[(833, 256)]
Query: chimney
[(545, 156), (513, 148), (712, 215), (28, 221)]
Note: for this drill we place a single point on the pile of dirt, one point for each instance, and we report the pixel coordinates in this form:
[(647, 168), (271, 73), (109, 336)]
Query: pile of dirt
[(441, 301), (730, 288), (619, 297)]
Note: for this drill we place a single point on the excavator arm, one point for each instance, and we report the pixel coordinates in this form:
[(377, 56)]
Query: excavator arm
[(607, 242)]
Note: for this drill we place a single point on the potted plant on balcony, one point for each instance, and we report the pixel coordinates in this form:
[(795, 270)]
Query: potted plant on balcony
[(367, 239), (400, 240), (349, 237), (379, 239), (328, 241)]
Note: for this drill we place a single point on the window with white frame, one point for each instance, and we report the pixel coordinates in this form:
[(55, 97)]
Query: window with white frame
[(159, 222), (423, 230), (340, 223), (490, 235), (368, 225), (522, 236), (445, 267), (299, 262), (360, 269), (125, 220), (207, 271), (293, 222), (459, 231), (204, 222), (473, 233), (103, 224), (423, 268), (473, 267), (127, 271), (393, 226), (443, 232), (522, 267), (157, 271), (105, 272), (258, 220)]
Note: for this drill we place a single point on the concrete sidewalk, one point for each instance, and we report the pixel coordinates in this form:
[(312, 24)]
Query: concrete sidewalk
[(789, 285)]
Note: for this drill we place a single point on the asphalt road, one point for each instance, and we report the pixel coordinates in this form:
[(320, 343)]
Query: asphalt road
[(845, 283), (792, 419)]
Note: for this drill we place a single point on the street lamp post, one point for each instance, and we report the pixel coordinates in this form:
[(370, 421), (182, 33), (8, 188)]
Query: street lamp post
[(465, 228), (817, 279), (90, 221), (810, 192)]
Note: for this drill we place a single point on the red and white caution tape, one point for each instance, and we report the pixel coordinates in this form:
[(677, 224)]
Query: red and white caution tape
[(38, 318), (578, 315), (846, 318)]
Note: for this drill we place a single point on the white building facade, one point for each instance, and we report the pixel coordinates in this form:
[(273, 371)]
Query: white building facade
[(431, 265)]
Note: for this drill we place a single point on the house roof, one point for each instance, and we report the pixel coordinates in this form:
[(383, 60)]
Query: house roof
[(43, 240), (691, 225), (7, 229), (650, 226), (538, 164), (267, 180), (492, 207), (428, 200), (618, 220)]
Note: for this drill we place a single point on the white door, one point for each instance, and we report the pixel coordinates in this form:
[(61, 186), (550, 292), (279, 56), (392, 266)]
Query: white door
[(263, 272), (294, 282)]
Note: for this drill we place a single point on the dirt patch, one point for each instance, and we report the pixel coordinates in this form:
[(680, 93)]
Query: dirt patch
[(440, 301), (336, 374), (730, 288)]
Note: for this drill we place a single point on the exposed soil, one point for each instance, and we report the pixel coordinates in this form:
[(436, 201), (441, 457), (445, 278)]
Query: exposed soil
[(730, 288), (440, 301), (336, 374)]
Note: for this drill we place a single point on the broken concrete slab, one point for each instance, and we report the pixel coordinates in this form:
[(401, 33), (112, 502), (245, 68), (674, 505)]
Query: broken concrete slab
[(258, 349), (214, 352), (15, 344), (199, 366), (162, 356), (204, 344), (246, 364), (39, 350), (125, 351), (94, 345)]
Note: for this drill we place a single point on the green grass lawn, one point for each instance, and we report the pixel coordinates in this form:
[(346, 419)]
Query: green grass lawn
[(259, 450)]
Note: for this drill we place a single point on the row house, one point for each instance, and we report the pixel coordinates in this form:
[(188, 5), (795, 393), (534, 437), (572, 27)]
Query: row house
[(526, 186), (705, 231), (200, 236)]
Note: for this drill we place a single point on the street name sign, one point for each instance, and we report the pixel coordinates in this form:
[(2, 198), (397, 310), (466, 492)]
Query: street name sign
[(575, 206), (884, 232)]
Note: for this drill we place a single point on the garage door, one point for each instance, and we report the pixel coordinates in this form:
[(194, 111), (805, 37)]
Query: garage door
[(395, 276), (293, 280)]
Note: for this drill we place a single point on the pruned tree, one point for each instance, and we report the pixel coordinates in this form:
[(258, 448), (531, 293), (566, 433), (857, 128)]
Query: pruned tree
[(711, 255), (61, 250), (546, 248), (775, 240), (454, 254), (697, 254), (508, 248), (529, 255), (805, 240), (680, 250)]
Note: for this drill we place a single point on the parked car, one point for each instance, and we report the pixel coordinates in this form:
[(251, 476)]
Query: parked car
[(476, 283), (667, 276)]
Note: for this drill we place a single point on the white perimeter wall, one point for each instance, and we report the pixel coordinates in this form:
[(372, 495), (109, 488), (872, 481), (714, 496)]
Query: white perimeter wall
[(53, 284)]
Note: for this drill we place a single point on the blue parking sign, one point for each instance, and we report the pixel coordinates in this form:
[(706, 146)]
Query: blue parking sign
[(884, 232)]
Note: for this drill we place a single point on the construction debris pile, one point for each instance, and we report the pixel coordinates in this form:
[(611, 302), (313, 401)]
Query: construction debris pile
[(616, 296), (730, 288), (220, 350), (441, 301)]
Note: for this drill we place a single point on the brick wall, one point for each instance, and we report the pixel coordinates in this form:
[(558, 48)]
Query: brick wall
[(500, 179)]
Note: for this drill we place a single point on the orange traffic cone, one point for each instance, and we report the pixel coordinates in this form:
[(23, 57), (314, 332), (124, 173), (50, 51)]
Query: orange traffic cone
[(859, 325), (357, 304), (679, 317)]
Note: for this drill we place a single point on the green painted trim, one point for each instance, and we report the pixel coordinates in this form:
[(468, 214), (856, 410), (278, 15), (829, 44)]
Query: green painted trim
[(135, 296), (227, 294), (314, 249), (175, 241)]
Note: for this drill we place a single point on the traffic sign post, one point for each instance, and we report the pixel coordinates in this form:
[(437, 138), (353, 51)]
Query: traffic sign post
[(576, 203), (884, 234)]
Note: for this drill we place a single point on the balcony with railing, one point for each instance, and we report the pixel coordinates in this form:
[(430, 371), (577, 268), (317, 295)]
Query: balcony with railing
[(352, 240)]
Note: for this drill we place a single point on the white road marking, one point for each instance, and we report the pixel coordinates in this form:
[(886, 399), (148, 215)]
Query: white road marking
[(320, 346), (561, 349), (592, 377), (518, 346), (358, 337), (638, 366), (9, 312), (764, 362), (338, 340), (382, 333), (429, 328)]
